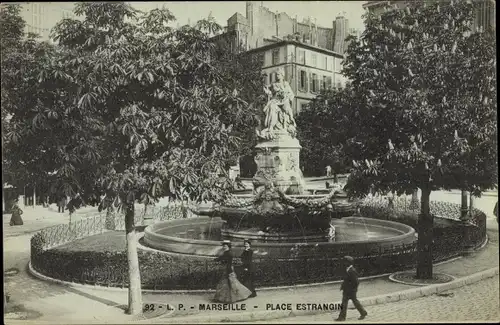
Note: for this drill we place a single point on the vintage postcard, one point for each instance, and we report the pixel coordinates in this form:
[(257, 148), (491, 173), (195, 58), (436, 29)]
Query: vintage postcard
[(249, 162)]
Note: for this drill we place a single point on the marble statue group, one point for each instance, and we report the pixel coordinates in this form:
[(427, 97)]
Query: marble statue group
[(278, 109)]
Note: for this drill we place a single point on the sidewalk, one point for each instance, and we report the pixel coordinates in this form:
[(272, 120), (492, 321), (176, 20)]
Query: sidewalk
[(72, 304)]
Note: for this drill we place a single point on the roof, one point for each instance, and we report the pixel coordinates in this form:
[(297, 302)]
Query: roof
[(299, 44), (374, 3)]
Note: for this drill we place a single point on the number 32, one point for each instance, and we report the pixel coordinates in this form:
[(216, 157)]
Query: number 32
[(148, 307)]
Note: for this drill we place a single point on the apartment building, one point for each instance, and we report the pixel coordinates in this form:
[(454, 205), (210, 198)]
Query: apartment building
[(485, 13), (308, 68)]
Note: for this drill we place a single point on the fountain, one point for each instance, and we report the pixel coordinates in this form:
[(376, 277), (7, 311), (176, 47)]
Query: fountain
[(279, 218)]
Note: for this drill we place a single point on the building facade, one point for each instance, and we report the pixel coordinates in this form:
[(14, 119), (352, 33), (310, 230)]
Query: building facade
[(485, 13), (261, 26), (41, 17), (306, 51), (308, 68)]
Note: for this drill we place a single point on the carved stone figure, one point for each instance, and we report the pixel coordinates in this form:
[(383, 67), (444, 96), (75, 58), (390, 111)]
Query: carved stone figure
[(278, 110)]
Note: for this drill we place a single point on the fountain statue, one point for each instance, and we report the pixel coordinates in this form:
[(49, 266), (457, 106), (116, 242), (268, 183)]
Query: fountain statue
[(278, 151)]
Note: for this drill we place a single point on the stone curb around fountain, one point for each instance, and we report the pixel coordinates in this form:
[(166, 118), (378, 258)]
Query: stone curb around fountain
[(369, 301)]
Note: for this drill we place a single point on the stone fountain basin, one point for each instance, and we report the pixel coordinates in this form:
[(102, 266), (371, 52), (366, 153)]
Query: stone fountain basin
[(182, 236)]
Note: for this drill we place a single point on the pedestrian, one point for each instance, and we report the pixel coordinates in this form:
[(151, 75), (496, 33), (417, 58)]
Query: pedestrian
[(229, 289), (61, 204), (15, 219), (247, 275), (349, 289), (328, 171)]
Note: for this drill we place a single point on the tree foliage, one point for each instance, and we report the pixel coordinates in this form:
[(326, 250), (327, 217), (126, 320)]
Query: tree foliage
[(129, 104), (22, 100), (424, 88), (429, 113), (324, 130)]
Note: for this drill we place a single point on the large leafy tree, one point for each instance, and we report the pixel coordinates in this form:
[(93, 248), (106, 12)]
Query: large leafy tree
[(137, 110), (21, 57), (428, 119), (324, 131)]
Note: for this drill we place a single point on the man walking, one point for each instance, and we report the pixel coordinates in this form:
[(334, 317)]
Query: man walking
[(349, 289), (61, 204)]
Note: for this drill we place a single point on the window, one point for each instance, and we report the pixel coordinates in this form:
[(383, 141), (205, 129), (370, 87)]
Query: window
[(328, 82), (337, 65), (303, 80), (276, 56), (262, 58), (325, 82), (314, 83), (314, 59), (302, 57)]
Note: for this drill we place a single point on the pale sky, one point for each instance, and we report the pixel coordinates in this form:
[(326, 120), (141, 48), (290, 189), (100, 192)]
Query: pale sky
[(324, 11)]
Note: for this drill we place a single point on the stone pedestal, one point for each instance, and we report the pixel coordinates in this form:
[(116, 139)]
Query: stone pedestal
[(278, 162)]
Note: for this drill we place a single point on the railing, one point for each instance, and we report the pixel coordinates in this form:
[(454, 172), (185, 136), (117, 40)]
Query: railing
[(449, 241), (439, 209), (54, 236), (62, 234)]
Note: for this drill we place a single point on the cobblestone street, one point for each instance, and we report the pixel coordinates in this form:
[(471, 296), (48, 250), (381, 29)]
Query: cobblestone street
[(476, 302)]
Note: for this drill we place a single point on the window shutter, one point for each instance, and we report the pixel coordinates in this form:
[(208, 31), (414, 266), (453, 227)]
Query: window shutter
[(305, 82), (311, 83)]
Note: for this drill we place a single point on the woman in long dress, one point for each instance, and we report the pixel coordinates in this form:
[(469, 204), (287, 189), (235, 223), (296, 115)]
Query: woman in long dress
[(247, 274), (15, 219), (229, 289)]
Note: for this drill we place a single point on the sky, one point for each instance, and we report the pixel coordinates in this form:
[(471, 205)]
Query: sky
[(324, 11)]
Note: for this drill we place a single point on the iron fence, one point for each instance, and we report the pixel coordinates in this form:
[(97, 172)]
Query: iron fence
[(62, 234)]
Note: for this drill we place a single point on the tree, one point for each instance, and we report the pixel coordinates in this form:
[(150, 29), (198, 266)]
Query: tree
[(324, 130), (429, 113), (137, 110), (20, 56)]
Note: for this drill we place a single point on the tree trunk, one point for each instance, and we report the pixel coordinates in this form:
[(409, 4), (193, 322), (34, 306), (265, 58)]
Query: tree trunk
[(34, 195), (414, 204), (471, 204), (464, 209), (134, 288), (425, 236)]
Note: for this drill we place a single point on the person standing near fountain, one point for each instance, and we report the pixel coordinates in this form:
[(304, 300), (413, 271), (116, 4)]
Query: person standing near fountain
[(247, 275), (229, 289), (349, 289)]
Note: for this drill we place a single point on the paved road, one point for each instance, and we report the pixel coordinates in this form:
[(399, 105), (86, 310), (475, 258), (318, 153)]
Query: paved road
[(476, 302)]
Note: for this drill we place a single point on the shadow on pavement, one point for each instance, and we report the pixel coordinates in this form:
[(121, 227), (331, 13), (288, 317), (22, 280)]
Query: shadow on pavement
[(107, 302)]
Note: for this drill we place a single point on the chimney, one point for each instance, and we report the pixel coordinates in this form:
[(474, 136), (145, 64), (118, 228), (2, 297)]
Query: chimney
[(276, 22)]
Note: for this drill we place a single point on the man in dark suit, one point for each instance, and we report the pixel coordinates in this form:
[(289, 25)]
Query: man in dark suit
[(247, 274), (349, 289)]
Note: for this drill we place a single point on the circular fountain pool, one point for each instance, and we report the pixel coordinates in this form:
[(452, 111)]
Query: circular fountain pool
[(202, 236)]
